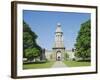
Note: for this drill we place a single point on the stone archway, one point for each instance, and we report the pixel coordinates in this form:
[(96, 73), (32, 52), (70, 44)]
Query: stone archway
[(58, 56)]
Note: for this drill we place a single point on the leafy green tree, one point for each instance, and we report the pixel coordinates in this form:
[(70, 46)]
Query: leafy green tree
[(36, 53), (32, 53), (29, 36), (29, 41), (66, 56), (29, 54), (83, 41)]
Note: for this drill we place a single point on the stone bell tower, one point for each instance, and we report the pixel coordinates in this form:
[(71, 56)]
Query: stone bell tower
[(58, 48)]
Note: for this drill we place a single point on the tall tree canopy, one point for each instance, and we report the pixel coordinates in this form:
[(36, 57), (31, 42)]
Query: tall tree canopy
[(83, 41), (29, 41)]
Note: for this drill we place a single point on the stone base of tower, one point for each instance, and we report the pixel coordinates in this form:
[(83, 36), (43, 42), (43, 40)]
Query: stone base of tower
[(58, 54)]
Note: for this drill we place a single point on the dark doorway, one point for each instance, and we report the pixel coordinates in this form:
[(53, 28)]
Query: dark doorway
[(58, 56)]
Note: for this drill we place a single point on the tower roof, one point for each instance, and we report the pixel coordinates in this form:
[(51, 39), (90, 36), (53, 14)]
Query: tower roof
[(58, 29)]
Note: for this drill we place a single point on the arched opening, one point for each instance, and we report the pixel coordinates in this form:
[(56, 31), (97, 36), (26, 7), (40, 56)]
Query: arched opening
[(58, 56)]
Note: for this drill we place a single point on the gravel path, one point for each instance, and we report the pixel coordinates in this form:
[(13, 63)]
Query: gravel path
[(58, 64)]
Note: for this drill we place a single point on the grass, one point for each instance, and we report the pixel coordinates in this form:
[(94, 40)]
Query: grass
[(47, 64), (76, 63)]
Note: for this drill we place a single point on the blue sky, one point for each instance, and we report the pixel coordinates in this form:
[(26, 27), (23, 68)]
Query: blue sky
[(44, 24)]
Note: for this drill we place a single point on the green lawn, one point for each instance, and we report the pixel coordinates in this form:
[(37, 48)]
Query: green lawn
[(47, 64), (76, 64)]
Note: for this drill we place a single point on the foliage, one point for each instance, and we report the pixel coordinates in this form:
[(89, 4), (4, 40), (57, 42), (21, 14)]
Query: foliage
[(83, 41), (32, 53), (29, 53), (27, 40), (36, 52), (66, 56), (29, 37), (30, 48)]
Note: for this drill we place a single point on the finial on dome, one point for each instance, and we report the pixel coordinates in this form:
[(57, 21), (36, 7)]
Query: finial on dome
[(58, 29), (58, 24)]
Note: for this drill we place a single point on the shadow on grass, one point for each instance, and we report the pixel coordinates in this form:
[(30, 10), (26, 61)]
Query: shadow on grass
[(37, 62), (84, 61)]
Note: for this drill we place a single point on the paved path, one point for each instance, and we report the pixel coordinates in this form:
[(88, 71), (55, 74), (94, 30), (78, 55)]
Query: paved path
[(58, 64)]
